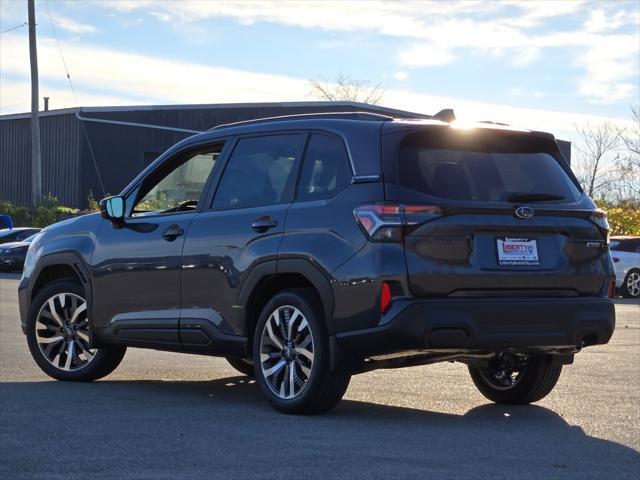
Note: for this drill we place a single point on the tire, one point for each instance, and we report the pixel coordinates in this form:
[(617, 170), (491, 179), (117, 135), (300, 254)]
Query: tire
[(70, 325), (535, 382), (243, 365), (295, 320), (631, 285)]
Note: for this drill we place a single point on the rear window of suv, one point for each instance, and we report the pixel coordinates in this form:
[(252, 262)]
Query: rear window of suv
[(480, 167)]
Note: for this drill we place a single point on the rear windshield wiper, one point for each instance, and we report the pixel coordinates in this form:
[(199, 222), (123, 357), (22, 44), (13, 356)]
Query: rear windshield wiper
[(533, 197)]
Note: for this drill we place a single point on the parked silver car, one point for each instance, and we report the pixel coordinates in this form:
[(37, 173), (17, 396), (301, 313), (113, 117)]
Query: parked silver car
[(625, 252)]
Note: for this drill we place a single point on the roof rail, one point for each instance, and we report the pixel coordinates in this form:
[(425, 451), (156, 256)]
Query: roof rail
[(307, 116)]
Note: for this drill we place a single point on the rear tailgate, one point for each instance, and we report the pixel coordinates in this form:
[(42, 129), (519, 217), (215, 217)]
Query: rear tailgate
[(485, 241), (463, 253)]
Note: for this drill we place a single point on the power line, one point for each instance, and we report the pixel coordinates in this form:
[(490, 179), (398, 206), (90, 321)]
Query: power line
[(93, 157), (75, 99), (55, 33), (16, 27)]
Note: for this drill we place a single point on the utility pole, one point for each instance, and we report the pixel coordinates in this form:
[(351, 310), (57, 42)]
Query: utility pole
[(36, 164)]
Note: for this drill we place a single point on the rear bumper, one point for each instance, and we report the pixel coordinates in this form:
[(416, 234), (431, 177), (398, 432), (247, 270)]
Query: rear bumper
[(489, 324)]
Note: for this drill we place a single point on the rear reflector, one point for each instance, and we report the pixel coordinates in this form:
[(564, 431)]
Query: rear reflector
[(612, 289), (385, 297), (383, 222)]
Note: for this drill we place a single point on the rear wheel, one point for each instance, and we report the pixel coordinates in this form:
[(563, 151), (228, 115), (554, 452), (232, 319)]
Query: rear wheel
[(243, 365), (58, 334), (291, 351), (515, 379), (631, 285)]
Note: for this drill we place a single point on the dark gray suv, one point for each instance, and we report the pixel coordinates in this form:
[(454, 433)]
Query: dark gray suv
[(306, 249)]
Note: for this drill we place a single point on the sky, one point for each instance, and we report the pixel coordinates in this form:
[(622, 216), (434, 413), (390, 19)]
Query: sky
[(545, 65)]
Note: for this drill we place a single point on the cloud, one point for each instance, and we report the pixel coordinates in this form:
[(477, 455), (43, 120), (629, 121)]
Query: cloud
[(425, 56), (70, 25), (611, 66), (162, 16), (535, 12), (439, 33), (602, 21), (400, 75), (154, 79)]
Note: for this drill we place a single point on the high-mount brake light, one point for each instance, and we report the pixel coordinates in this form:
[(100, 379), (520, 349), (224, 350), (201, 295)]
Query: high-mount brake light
[(383, 222)]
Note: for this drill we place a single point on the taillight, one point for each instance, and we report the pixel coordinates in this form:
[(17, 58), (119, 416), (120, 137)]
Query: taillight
[(385, 297), (612, 289), (383, 222), (599, 217)]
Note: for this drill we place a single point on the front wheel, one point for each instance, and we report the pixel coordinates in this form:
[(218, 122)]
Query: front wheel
[(514, 379), (291, 355), (58, 334)]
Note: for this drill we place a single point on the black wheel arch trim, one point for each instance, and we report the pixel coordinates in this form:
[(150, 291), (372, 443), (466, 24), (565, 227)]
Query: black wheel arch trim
[(299, 266), (70, 259), (319, 279)]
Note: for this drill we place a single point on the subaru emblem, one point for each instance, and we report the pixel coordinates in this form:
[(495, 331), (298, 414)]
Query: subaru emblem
[(524, 212)]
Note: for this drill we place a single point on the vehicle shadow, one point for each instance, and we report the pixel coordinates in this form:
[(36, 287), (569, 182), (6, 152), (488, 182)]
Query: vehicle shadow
[(224, 429)]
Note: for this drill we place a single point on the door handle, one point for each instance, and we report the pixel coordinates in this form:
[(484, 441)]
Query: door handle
[(172, 232), (263, 224)]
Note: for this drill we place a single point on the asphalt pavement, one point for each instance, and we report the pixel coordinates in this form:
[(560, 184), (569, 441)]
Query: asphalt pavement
[(171, 416)]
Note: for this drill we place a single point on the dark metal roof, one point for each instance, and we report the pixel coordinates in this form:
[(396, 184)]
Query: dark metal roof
[(226, 106)]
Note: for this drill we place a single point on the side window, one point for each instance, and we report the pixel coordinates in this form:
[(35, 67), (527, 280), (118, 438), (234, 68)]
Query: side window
[(26, 234), (259, 171), (325, 169), (177, 186)]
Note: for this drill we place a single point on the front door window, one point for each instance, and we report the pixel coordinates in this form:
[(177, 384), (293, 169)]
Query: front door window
[(179, 189)]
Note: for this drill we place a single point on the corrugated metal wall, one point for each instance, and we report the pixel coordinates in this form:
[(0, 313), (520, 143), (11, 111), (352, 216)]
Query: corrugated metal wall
[(119, 152), (60, 158), (15, 166)]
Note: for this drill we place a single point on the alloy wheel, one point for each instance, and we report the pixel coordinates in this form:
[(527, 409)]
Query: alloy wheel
[(505, 372), (633, 284), (62, 332), (287, 352)]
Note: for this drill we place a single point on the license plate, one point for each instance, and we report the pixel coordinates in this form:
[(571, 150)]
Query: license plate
[(517, 251)]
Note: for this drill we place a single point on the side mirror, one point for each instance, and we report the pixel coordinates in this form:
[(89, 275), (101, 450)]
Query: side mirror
[(112, 208)]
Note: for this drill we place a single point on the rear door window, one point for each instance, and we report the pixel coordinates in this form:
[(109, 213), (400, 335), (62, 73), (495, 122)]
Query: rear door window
[(491, 170), (325, 170), (260, 171)]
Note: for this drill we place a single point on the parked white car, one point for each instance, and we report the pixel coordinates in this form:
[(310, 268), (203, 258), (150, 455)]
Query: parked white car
[(625, 252)]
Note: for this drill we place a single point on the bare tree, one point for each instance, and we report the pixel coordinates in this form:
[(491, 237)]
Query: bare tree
[(630, 137), (596, 163), (346, 88)]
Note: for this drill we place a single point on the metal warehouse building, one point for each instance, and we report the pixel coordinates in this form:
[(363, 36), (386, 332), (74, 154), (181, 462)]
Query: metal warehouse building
[(101, 149)]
